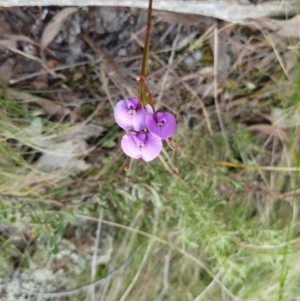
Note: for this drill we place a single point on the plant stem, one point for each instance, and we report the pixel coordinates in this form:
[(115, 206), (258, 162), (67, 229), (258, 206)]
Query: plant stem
[(144, 69), (143, 92)]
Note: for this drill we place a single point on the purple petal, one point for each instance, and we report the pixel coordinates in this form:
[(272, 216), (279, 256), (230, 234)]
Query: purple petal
[(141, 145), (153, 147), (123, 119), (161, 125), (129, 114), (132, 102), (129, 146), (139, 120)]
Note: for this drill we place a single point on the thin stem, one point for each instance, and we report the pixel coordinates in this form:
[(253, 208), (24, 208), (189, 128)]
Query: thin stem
[(144, 69), (144, 94)]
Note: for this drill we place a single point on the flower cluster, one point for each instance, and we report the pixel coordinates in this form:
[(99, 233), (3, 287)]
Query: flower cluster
[(146, 129)]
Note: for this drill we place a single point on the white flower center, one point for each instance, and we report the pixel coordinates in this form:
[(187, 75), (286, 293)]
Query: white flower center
[(160, 123), (132, 112), (141, 144)]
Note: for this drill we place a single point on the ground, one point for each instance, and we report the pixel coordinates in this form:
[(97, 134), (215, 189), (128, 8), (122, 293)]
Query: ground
[(214, 219)]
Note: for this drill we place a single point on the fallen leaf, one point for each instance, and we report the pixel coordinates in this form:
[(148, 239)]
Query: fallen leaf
[(18, 37), (85, 131), (287, 29), (66, 150), (20, 14), (55, 25), (181, 18), (64, 155), (8, 44)]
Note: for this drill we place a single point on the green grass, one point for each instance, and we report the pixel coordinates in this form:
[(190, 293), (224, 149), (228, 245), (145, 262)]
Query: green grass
[(205, 211), (211, 232)]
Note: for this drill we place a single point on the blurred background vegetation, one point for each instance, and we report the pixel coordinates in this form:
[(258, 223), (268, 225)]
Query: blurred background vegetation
[(215, 219)]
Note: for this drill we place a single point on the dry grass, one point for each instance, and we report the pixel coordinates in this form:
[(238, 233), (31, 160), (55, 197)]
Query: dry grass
[(217, 218)]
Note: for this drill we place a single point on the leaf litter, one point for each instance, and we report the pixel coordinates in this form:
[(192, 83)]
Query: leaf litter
[(55, 25)]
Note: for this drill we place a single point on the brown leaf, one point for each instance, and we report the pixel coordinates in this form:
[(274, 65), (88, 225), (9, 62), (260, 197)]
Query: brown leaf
[(287, 29), (20, 14), (55, 25), (8, 43), (19, 37), (181, 18)]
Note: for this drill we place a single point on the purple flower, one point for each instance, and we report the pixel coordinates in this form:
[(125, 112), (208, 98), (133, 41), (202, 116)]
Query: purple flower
[(141, 145), (162, 124), (129, 114)]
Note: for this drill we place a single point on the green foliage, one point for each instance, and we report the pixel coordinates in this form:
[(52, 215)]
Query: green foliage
[(219, 232)]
